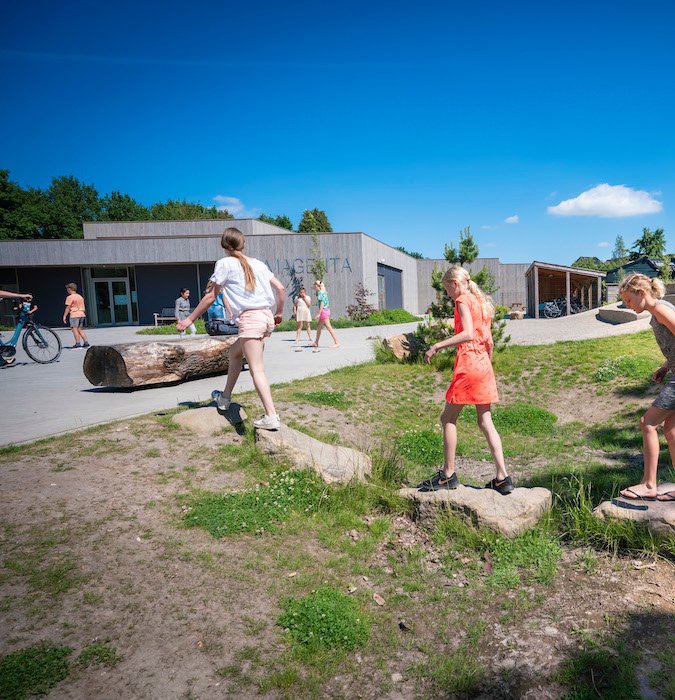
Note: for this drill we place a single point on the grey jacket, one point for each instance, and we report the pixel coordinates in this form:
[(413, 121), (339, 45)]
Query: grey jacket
[(182, 309)]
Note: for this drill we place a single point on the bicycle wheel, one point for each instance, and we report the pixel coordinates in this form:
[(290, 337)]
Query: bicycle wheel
[(551, 310), (41, 344)]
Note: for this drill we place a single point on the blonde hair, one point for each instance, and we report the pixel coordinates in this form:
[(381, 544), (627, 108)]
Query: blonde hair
[(233, 242), (457, 272), (637, 282), (322, 286)]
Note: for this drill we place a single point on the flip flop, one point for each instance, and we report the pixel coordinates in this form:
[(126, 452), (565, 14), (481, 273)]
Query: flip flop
[(628, 506), (636, 496), (667, 497)]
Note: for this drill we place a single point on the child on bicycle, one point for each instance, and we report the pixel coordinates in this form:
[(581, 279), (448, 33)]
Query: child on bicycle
[(641, 293), (473, 380), (6, 361)]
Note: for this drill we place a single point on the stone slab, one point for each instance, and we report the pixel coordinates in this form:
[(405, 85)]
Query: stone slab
[(334, 463), (510, 515), (209, 420), (618, 314)]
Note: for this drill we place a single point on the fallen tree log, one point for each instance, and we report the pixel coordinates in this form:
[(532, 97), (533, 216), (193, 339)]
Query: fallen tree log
[(156, 362)]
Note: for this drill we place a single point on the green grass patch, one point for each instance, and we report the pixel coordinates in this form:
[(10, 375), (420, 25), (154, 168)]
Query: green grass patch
[(99, 653), (323, 620), (33, 671), (423, 447), (260, 509), (336, 399), (170, 329), (601, 673), (639, 367)]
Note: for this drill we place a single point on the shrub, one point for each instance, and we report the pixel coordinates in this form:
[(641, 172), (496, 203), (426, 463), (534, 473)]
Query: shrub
[(361, 309), (424, 447), (323, 620)]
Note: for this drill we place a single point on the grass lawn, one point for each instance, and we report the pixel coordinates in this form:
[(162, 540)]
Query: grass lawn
[(140, 561)]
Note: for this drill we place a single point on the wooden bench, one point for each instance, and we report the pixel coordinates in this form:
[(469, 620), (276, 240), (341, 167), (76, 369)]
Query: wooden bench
[(167, 315)]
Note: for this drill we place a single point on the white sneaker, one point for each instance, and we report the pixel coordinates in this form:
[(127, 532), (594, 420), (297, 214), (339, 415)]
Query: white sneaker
[(223, 402), (268, 423)]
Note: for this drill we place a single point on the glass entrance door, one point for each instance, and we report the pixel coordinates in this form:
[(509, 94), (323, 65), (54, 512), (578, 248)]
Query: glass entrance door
[(113, 301)]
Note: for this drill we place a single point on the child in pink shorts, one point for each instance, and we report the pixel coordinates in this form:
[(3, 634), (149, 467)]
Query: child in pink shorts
[(324, 314)]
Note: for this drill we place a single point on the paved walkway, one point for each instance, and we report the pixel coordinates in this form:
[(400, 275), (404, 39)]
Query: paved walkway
[(43, 400)]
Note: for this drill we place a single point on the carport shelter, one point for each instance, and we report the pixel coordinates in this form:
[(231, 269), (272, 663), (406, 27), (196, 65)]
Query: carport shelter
[(546, 282)]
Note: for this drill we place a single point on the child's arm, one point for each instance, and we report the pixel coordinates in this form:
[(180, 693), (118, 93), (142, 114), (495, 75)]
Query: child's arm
[(66, 311), (466, 334)]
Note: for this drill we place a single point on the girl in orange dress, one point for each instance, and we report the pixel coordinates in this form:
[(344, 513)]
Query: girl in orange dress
[(473, 380)]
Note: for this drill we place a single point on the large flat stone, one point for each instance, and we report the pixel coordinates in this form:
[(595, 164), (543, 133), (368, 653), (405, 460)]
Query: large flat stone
[(510, 515), (334, 463), (618, 314), (209, 420), (659, 516)]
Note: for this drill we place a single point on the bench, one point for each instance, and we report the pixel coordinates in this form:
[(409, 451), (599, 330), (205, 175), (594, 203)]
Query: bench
[(167, 315)]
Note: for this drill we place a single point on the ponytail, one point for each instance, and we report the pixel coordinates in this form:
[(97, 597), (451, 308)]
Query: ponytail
[(233, 242), (637, 282)]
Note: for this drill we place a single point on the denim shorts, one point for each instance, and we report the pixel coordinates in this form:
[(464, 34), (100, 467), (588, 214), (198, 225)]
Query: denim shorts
[(666, 399), (77, 322)]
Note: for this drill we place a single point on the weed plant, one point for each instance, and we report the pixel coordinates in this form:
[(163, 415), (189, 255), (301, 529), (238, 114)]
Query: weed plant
[(323, 620)]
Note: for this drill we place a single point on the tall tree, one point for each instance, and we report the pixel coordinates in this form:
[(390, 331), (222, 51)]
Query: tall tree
[(651, 243), (317, 267), (620, 250), (71, 203), (23, 212), (411, 253), (121, 207), (280, 220), (180, 210), (314, 220), (468, 249)]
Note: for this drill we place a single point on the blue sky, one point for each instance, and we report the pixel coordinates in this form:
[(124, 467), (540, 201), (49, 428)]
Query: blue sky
[(408, 121)]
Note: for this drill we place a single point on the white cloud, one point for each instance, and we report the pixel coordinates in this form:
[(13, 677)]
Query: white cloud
[(235, 206), (487, 227), (512, 219), (608, 201), (603, 244)]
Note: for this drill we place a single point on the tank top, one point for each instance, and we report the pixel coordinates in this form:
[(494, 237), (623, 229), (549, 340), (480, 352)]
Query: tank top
[(664, 338)]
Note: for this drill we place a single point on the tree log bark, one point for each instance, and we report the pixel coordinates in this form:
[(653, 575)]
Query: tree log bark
[(156, 362)]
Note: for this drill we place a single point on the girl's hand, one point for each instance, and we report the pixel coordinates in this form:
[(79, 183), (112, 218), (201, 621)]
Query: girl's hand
[(182, 325), (660, 374), (277, 319), (429, 354)]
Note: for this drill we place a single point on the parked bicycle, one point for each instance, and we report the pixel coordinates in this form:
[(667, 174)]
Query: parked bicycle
[(40, 342), (558, 307)]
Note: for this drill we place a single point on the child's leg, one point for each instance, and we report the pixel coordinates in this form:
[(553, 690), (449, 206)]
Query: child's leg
[(650, 445), (669, 432), (319, 326), (309, 331), (253, 350), (492, 436), (449, 417), (235, 356), (336, 343), (193, 329), (83, 335), (297, 332)]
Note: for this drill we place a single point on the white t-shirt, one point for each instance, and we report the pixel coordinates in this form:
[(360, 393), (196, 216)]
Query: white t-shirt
[(229, 274)]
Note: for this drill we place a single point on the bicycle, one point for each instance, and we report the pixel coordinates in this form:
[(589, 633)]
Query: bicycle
[(41, 344)]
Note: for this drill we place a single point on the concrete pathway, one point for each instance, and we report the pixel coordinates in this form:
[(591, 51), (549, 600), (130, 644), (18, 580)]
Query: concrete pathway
[(43, 400)]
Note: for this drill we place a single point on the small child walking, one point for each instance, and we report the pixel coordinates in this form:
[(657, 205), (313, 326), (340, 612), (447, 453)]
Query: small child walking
[(301, 305), (641, 293), (76, 315), (473, 379), (324, 315)]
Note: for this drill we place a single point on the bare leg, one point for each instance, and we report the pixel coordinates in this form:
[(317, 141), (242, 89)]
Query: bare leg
[(319, 326), (488, 429), (669, 432), (83, 335), (297, 332), (253, 350), (235, 357), (309, 331), (336, 343), (449, 418), (650, 446)]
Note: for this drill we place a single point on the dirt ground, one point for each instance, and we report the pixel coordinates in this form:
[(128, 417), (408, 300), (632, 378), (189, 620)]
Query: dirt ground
[(99, 511)]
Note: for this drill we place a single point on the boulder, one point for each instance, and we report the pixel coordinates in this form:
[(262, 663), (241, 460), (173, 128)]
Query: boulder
[(335, 464), (510, 515), (618, 314), (517, 315), (403, 345), (659, 516), (209, 420)]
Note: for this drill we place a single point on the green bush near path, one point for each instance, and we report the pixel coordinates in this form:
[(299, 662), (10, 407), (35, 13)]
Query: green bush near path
[(385, 317)]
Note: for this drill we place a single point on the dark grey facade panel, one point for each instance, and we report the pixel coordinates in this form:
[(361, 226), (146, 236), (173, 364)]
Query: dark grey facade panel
[(48, 286), (158, 287), (393, 294)]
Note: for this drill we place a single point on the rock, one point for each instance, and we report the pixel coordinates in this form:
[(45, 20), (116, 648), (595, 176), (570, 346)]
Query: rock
[(659, 516), (403, 345), (396, 677), (209, 420), (335, 464), (618, 314), (517, 315), (509, 515)]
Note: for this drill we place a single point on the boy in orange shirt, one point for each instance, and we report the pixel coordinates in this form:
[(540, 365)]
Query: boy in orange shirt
[(75, 309)]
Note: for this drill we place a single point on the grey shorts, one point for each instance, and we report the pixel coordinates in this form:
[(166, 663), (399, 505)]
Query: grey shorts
[(77, 322), (666, 399)]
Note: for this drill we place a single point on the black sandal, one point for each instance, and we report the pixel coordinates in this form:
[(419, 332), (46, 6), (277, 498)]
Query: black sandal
[(505, 486)]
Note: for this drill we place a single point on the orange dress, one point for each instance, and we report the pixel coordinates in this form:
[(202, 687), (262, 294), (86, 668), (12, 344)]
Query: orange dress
[(473, 380)]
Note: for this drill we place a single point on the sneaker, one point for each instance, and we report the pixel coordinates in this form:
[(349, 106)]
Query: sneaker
[(86, 345), (268, 423), (223, 402), (439, 482), (505, 486)]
